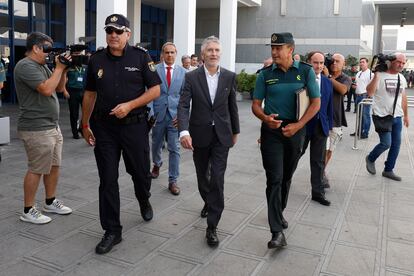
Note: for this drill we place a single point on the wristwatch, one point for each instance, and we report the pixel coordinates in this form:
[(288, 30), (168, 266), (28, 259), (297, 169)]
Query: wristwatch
[(329, 76)]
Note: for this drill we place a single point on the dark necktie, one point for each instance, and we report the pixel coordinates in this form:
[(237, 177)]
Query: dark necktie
[(169, 76)]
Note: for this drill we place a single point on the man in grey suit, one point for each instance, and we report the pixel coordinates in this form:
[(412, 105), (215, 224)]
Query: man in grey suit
[(165, 109), (211, 129)]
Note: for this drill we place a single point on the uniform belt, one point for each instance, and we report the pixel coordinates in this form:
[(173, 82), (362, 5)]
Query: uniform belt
[(129, 119)]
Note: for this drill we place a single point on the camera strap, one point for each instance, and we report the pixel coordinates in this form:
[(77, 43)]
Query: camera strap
[(397, 91)]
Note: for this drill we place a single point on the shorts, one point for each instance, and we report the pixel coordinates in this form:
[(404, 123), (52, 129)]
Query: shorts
[(335, 135), (43, 149)]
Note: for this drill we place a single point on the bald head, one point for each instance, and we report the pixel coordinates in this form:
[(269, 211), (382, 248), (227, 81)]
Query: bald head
[(267, 62), (398, 64), (338, 63)]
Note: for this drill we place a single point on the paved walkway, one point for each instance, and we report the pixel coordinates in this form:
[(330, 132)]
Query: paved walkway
[(368, 229)]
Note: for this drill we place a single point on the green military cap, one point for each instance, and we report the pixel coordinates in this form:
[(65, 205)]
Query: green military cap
[(280, 39)]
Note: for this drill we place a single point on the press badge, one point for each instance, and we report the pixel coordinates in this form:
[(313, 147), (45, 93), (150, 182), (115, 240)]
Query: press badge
[(80, 79)]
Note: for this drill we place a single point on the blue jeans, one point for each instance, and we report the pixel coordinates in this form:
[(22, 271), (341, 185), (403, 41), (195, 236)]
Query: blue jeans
[(158, 135), (388, 140), (366, 118)]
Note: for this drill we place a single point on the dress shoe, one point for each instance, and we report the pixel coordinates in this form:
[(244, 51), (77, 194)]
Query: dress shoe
[(370, 166), (278, 240), (107, 242), (174, 188), (204, 211), (155, 171), (285, 224), (146, 210), (347, 110), (321, 199), (76, 136), (211, 236), (352, 134), (391, 175)]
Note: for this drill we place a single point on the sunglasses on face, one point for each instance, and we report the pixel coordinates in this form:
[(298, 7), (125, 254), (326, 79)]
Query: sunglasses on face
[(111, 30), (47, 48)]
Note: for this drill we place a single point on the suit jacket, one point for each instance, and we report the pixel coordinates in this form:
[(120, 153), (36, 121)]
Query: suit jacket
[(223, 112), (169, 96), (325, 114)]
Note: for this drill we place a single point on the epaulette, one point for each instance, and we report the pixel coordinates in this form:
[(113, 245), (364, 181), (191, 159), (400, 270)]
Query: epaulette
[(100, 49), (140, 48), (310, 65)]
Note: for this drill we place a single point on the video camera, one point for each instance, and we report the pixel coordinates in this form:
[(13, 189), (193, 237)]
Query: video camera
[(328, 60), (77, 60), (380, 62)]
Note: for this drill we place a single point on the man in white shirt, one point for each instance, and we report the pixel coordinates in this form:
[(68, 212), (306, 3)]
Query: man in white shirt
[(362, 79), (383, 89)]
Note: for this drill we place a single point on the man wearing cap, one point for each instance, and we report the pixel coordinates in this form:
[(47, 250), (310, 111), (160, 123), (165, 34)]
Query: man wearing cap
[(282, 135), (121, 81)]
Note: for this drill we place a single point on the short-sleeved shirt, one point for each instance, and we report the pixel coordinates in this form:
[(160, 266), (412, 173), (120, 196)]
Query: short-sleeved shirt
[(278, 88), (119, 79), (362, 79), (338, 102), (383, 100), (37, 112), (76, 77)]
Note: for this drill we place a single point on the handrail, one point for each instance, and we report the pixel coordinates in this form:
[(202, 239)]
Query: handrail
[(358, 120)]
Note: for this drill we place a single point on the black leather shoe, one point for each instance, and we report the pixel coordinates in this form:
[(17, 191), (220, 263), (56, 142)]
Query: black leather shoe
[(107, 242), (211, 236), (285, 224), (204, 211), (321, 199), (146, 210), (278, 240)]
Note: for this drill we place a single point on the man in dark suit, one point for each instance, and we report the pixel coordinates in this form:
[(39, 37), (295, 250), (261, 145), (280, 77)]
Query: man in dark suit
[(317, 129), (211, 129)]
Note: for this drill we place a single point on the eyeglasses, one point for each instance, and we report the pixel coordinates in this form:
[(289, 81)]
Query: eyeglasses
[(47, 48), (110, 30)]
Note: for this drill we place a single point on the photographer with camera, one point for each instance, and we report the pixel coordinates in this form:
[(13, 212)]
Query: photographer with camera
[(74, 79), (38, 126), (389, 104), (341, 83)]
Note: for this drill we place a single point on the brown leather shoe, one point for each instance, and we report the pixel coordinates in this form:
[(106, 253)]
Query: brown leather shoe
[(174, 188), (155, 171)]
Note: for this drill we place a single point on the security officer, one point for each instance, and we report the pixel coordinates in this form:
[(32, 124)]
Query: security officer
[(282, 135), (117, 79)]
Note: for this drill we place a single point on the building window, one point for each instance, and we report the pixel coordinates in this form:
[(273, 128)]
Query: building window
[(153, 30)]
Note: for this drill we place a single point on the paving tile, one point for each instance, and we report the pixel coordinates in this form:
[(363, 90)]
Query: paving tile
[(400, 255), (401, 230), (310, 237), (159, 204), (171, 223), (23, 268), (193, 203), (193, 245), (69, 250), (60, 226), (401, 209), (289, 262), (364, 213), (21, 246), (227, 264), (251, 240), (295, 200), (128, 221), (358, 233), (245, 202), (320, 215), (373, 197), (346, 260), (10, 224), (229, 222), (162, 266), (135, 246), (398, 194), (95, 267)]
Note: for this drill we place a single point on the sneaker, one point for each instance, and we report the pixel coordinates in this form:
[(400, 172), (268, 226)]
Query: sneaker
[(57, 207), (370, 166), (35, 216), (391, 175)]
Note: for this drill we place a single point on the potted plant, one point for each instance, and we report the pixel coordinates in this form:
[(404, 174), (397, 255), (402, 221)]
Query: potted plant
[(246, 83)]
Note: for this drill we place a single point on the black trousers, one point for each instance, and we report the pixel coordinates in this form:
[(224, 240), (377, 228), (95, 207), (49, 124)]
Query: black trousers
[(211, 164), (75, 101), (280, 156), (349, 95), (317, 157), (111, 141)]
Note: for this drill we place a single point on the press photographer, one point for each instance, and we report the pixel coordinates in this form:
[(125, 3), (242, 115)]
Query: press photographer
[(75, 50), (381, 62), (389, 104)]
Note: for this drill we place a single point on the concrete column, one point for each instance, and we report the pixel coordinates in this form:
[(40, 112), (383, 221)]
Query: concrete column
[(75, 21), (103, 9), (134, 17), (377, 44), (184, 26), (228, 26)]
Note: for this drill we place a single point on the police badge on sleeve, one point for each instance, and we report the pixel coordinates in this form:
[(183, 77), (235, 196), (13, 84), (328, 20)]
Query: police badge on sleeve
[(151, 66)]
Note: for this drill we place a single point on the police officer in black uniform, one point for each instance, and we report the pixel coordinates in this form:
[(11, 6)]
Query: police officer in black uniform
[(115, 105)]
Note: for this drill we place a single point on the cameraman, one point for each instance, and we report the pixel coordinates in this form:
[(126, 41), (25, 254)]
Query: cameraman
[(341, 84), (74, 86), (38, 126), (383, 90)]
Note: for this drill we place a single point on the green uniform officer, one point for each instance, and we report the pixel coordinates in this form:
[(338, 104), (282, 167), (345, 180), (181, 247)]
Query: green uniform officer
[(282, 135)]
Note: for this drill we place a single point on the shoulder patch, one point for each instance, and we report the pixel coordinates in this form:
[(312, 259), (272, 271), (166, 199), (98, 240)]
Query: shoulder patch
[(140, 48), (100, 49)]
